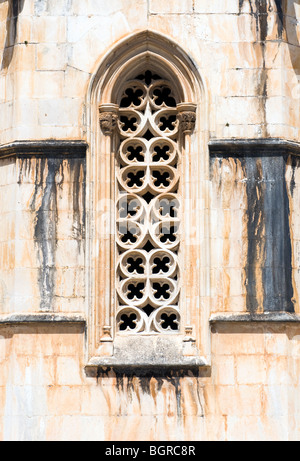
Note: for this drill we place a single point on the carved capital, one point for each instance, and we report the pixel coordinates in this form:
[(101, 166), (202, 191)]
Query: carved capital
[(187, 117), (108, 122), (108, 118)]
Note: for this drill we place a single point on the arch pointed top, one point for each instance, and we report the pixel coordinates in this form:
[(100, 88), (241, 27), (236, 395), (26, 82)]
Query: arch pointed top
[(135, 53)]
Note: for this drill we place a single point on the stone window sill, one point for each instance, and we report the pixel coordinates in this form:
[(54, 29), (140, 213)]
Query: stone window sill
[(149, 352), (183, 363)]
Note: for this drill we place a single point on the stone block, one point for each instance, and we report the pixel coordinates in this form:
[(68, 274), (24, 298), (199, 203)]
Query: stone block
[(51, 56), (50, 29), (62, 112), (251, 369), (239, 342), (239, 401), (64, 400), (227, 6), (175, 7), (223, 373), (68, 371)]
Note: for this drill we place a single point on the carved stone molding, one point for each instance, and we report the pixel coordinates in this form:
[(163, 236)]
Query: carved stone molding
[(252, 147), (45, 317), (44, 147), (108, 118)]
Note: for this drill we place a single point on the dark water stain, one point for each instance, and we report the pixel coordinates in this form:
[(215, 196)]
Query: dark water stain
[(78, 197), (290, 26), (294, 163), (277, 273), (45, 234), (260, 10), (49, 180), (269, 283), (287, 27), (127, 377), (280, 18), (256, 241), (15, 8), (269, 238)]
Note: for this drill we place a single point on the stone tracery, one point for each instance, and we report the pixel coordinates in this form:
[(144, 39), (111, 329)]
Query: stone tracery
[(148, 208)]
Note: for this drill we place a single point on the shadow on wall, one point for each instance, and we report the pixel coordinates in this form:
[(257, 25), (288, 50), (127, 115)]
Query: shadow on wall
[(290, 26), (15, 7)]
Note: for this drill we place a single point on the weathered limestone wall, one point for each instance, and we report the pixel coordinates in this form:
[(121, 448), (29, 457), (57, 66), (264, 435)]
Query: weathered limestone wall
[(255, 249), (43, 251), (8, 231), (251, 392), (247, 53), (293, 184)]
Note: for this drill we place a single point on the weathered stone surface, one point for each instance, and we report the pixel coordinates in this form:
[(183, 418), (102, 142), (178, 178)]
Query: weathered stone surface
[(241, 176)]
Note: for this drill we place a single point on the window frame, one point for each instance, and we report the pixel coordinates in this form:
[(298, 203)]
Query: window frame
[(192, 346)]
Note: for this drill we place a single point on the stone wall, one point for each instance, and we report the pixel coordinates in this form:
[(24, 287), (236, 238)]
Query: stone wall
[(255, 249), (246, 52), (43, 235), (250, 393)]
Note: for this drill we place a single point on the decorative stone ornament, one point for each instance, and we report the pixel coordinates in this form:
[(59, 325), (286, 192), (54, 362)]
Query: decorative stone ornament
[(108, 117), (149, 276), (148, 209), (187, 117)]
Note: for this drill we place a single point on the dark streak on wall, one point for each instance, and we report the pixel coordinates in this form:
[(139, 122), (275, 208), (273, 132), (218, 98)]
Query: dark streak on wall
[(50, 177), (15, 8), (45, 235), (269, 259), (277, 273), (256, 242), (269, 234), (79, 187), (295, 165), (145, 378), (280, 20), (260, 10), (46, 224)]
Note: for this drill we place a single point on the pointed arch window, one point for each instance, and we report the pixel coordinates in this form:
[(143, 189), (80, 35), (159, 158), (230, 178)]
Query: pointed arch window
[(141, 223)]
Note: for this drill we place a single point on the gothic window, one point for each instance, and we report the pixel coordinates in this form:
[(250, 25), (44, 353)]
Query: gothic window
[(148, 208), (148, 179)]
